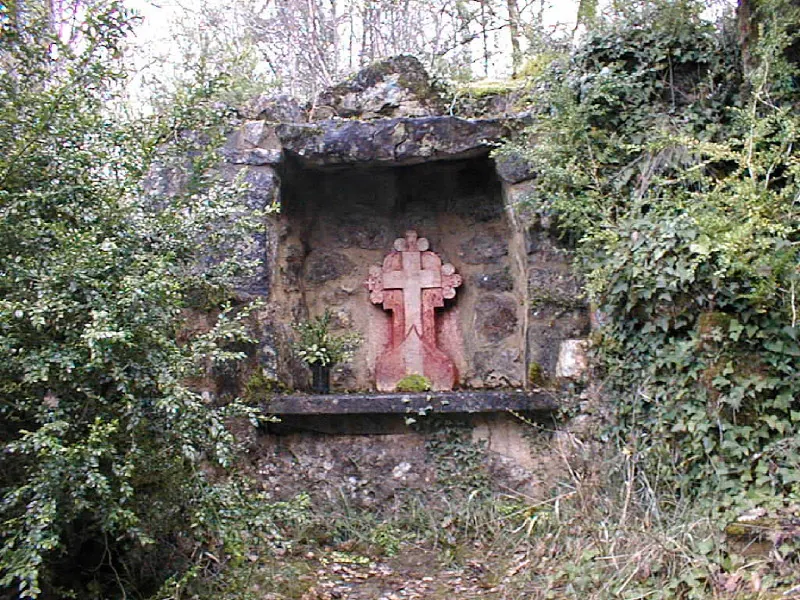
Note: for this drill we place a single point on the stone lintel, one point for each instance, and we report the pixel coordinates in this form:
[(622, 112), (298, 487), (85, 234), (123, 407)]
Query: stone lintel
[(399, 141), (491, 401)]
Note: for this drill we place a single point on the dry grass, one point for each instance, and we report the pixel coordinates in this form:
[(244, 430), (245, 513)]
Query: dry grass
[(604, 530)]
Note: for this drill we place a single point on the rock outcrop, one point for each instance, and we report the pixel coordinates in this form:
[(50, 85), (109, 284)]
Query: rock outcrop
[(393, 87)]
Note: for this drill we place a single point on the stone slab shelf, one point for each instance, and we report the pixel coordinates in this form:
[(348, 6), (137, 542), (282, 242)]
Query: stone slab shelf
[(492, 401)]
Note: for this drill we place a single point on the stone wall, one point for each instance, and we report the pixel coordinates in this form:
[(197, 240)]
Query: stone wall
[(349, 187)]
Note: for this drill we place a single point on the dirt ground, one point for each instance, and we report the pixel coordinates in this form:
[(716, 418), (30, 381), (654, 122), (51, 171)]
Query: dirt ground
[(412, 574)]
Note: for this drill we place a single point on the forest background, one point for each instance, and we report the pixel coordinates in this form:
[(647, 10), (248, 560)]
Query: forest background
[(664, 140)]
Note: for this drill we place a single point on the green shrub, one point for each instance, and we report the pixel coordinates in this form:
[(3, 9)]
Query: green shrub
[(102, 439), (317, 344)]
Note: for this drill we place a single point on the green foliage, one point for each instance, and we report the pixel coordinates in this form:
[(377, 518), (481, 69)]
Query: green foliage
[(252, 525), (460, 462), (101, 437), (414, 383), (680, 192), (316, 344)]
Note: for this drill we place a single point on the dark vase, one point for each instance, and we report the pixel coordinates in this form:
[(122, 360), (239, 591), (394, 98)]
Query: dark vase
[(320, 378)]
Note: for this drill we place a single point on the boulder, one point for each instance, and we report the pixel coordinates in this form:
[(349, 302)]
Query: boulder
[(274, 109), (394, 87)]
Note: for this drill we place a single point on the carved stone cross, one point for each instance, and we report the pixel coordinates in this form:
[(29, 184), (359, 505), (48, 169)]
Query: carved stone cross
[(411, 283)]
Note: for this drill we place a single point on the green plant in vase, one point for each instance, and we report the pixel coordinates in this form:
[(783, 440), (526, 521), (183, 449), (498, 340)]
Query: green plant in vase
[(321, 349)]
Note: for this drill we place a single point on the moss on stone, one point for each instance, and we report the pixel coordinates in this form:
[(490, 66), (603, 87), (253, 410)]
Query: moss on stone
[(536, 375), (488, 87), (259, 388), (414, 383)]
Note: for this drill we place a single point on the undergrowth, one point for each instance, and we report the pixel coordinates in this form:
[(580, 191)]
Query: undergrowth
[(601, 529)]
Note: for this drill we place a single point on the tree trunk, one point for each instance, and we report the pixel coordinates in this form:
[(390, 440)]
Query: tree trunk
[(513, 28), (747, 31)]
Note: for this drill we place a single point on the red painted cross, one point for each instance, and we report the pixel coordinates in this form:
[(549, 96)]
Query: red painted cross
[(412, 279)]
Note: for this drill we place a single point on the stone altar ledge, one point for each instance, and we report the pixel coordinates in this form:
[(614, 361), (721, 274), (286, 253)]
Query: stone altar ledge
[(489, 401)]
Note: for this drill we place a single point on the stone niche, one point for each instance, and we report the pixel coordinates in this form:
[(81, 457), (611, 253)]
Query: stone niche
[(339, 220), (349, 187)]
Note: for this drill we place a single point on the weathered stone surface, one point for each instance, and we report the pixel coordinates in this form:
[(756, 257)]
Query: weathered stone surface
[(254, 143), (395, 87), (548, 325), (483, 249), (417, 403), (399, 141), (263, 187), (257, 245), (498, 369), (496, 316), (166, 180), (330, 467), (275, 109), (497, 281), (572, 360), (412, 283), (252, 133), (513, 168), (555, 283), (516, 196), (254, 157), (292, 268), (325, 266), (372, 234), (476, 209)]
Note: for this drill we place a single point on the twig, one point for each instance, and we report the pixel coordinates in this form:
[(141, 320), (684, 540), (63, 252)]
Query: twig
[(791, 591)]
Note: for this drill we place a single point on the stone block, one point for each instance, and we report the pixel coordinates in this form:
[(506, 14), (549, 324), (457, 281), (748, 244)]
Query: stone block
[(496, 316), (519, 193), (264, 186), (513, 167), (394, 87), (483, 249), (572, 360), (494, 281), (404, 141), (548, 326), (274, 109), (368, 233), (497, 369), (554, 283), (326, 266)]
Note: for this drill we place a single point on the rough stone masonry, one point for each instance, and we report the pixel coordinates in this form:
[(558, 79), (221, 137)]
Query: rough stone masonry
[(355, 169)]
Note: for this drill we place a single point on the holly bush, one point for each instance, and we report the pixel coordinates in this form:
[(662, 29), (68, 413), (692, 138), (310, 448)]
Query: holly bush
[(106, 452)]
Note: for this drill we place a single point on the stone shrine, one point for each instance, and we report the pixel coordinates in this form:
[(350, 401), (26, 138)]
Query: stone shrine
[(494, 314), (367, 160), (411, 284)]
